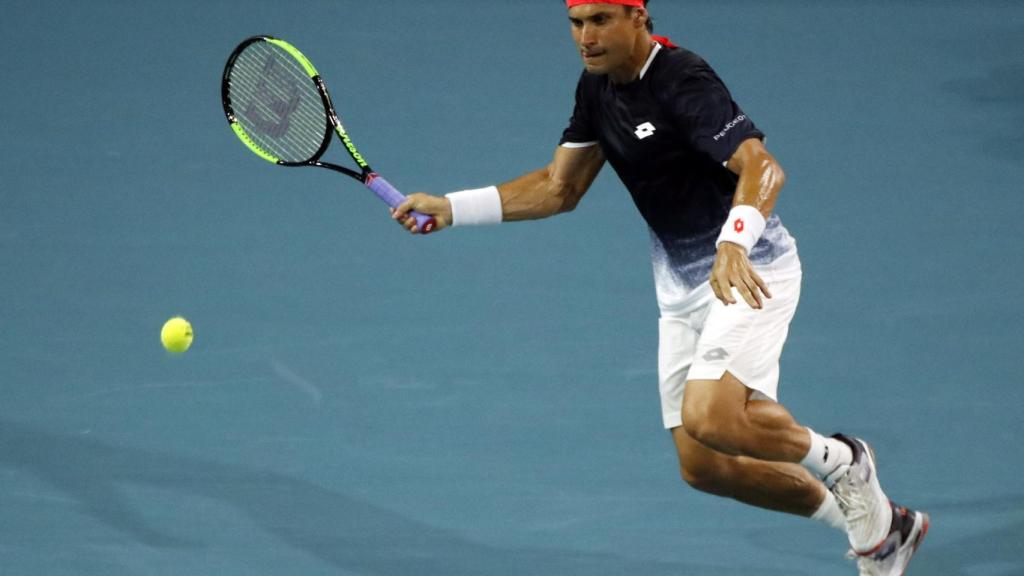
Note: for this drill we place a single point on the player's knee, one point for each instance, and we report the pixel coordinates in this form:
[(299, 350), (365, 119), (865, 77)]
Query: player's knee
[(719, 432), (699, 422), (694, 423), (702, 474), (713, 419)]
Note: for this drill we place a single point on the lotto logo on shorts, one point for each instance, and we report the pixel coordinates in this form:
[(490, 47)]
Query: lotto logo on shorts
[(715, 354), (644, 130)]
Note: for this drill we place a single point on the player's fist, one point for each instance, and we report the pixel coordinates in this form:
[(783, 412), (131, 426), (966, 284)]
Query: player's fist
[(438, 207)]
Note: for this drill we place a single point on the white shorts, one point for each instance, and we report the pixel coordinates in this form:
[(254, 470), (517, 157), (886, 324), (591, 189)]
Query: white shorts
[(714, 339)]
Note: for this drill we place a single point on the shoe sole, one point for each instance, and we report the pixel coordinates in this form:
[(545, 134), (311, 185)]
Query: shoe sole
[(918, 538), (925, 519)]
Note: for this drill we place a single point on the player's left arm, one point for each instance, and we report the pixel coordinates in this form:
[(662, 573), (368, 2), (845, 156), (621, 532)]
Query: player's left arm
[(760, 179)]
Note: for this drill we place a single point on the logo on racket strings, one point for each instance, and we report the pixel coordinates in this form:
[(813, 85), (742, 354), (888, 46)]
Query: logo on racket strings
[(270, 111)]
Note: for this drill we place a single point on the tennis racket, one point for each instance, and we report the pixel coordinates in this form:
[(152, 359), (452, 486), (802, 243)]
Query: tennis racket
[(278, 105)]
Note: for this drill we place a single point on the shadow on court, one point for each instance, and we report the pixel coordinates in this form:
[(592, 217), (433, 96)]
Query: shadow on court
[(1000, 91), (995, 90), (335, 528)]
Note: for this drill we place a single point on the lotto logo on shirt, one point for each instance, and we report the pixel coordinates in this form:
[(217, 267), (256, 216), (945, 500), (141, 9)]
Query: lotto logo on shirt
[(644, 130)]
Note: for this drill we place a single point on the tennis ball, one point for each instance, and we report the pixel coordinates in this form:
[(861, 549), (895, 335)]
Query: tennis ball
[(176, 335)]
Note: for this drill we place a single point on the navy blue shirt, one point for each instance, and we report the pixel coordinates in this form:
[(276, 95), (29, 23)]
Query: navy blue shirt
[(668, 135)]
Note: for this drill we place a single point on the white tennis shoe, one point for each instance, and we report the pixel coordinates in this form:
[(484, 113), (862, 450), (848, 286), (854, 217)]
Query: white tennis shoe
[(894, 553), (869, 512)]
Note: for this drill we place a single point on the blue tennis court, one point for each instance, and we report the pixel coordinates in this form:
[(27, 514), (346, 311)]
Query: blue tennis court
[(484, 401)]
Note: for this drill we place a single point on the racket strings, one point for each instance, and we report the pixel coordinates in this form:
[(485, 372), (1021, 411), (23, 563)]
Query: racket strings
[(277, 104), (277, 109)]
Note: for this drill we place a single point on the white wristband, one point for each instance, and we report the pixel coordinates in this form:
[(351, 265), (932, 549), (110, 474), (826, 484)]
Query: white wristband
[(744, 226), (475, 207)]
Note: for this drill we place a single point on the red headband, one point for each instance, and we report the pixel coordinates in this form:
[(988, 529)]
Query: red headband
[(634, 3)]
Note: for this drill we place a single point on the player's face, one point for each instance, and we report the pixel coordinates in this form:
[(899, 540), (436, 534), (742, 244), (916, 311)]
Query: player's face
[(606, 35)]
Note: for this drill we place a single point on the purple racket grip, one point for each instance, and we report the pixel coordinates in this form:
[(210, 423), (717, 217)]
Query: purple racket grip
[(383, 189)]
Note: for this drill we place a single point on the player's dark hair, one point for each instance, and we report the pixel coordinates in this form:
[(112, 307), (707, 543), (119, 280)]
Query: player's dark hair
[(650, 21)]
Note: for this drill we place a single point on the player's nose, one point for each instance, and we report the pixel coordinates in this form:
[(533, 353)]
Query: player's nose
[(588, 36)]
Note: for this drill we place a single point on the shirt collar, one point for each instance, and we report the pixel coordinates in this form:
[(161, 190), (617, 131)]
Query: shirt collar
[(650, 59)]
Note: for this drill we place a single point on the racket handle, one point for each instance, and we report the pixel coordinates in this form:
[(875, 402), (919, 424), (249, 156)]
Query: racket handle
[(392, 197)]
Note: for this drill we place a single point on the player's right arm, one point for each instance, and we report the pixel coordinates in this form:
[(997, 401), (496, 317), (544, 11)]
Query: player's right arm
[(556, 188)]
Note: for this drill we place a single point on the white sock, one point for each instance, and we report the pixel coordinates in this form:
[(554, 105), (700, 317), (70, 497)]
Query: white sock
[(830, 514), (826, 456)]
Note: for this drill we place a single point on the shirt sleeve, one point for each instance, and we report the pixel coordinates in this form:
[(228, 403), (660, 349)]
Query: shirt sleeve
[(705, 111), (580, 133)]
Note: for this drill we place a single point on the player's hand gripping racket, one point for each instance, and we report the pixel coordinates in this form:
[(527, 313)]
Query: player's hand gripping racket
[(278, 106)]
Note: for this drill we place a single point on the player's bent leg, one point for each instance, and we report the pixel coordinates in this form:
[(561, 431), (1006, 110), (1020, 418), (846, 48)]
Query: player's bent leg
[(722, 415), (775, 486)]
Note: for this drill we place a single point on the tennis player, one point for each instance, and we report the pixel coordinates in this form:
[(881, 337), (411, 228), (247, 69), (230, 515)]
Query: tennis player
[(726, 271)]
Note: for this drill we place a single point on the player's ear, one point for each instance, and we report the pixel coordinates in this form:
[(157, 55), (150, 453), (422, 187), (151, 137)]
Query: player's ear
[(640, 17)]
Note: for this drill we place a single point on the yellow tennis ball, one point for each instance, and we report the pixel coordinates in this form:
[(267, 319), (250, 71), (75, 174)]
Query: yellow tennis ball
[(176, 335)]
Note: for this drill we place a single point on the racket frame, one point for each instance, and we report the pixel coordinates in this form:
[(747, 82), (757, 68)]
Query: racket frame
[(366, 174)]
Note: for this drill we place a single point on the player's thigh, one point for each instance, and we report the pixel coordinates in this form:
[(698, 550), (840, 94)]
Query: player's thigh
[(716, 403)]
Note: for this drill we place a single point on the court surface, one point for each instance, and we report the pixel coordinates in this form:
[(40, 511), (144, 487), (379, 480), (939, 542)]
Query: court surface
[(484, 401)]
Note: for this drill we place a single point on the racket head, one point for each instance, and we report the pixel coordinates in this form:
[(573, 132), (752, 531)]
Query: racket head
[(276, 103)]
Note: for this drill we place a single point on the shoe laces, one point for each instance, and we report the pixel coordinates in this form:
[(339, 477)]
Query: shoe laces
[(861, 511), (850, 497)]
